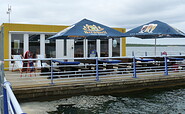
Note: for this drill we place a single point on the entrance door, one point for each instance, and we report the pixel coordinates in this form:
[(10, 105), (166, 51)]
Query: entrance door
[(65, 48), (91, 46), (78, 48)]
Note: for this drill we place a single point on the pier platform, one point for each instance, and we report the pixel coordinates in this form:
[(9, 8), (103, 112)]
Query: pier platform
[(32, 88)]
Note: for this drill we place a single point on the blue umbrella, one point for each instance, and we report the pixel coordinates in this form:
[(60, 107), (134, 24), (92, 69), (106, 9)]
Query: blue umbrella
[(153, 30), (87, 29)]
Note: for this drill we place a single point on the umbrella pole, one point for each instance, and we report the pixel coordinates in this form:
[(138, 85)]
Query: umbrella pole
[(85, 48), (155, 46)]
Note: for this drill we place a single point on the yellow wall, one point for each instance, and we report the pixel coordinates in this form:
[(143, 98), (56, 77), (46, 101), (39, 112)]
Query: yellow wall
[(40, 28), (27, 28), (123, 30)]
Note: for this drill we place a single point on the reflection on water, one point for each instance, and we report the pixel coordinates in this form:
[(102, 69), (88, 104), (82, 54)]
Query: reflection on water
[(153, 101)]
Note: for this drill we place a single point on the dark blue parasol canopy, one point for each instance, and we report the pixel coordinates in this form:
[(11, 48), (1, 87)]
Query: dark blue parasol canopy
[(155, 29), (87, 29)]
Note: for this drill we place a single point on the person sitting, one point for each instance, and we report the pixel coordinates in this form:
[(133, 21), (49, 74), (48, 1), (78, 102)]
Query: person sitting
[(28, 66), (164, 53), (93, 53)]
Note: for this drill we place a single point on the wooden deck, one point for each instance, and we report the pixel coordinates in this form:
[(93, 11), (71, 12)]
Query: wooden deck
[(27, 81), (36, 87)]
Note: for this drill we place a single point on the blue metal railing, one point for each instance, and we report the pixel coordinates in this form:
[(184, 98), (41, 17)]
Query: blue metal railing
[(86, 70), (91, 69), (11, 105)]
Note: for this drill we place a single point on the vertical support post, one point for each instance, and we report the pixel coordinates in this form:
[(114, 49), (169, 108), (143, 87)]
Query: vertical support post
[(98, 47), (26, 43), (132, 53), (155, 47), (51, 71), (5, 101), (145, 53), (166, 66), (97, 73), (42, 44), (1, 70), (85, 47), (134, 68), (110, 47)]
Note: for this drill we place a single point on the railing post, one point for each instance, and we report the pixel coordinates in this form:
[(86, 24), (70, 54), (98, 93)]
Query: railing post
[(166, 66), (132, 53), (97, 73), (5, 101), (145, 53), (134, 68), (52, 71)]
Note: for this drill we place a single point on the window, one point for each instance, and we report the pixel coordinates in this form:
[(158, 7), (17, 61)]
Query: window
[(116, 47), (17, 44), (104, 48), (50, 47), (65, 47), (34, 43)]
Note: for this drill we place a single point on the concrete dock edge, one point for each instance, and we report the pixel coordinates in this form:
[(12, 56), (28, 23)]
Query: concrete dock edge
[(96, 88)]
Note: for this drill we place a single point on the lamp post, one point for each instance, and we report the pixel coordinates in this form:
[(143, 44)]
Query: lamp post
[(8, 12)]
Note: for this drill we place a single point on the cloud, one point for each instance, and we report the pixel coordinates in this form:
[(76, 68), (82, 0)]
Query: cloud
[(115, 13)]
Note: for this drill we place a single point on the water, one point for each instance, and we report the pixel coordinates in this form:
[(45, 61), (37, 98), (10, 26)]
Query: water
[(150, 51), (150, 101)]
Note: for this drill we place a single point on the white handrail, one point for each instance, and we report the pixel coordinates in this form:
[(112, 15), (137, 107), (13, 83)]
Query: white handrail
[(12, 97)]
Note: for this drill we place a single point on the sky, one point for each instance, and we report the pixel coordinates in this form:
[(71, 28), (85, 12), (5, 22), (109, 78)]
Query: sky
[(113, 13)]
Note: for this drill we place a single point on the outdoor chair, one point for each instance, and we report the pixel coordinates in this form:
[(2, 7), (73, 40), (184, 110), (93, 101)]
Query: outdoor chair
[(18, 64), (43, 65), (40, 63)]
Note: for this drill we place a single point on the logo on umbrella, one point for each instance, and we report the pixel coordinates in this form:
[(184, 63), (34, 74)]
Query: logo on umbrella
[(148, 28), (93, 29)]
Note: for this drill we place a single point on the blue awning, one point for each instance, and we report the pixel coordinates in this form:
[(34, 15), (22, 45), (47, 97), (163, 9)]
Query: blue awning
[(88, 29)]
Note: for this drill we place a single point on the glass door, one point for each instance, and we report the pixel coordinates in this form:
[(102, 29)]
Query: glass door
[(104, 52), (78, 48), (91, 46)]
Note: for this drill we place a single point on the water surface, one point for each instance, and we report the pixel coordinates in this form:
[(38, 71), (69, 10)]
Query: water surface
[(150, 101)]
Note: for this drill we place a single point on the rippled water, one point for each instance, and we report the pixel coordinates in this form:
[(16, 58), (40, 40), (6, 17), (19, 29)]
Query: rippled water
[(153, 101)]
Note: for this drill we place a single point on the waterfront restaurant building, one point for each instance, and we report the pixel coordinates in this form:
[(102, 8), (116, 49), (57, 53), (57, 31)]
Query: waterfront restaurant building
[(19, 38)]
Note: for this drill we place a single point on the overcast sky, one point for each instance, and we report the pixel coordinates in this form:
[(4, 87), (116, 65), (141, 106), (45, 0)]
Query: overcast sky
[(113, 13)]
